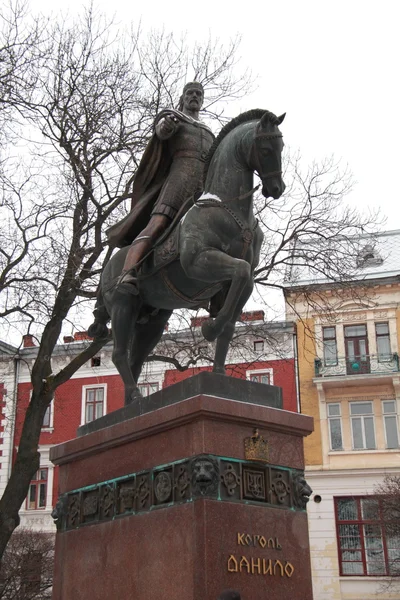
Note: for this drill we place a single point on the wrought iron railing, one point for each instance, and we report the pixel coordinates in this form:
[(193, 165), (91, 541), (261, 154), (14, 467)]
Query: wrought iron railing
[(360, 365)]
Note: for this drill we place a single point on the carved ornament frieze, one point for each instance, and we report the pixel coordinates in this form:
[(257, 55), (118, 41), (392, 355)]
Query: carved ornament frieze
[(221, 479)]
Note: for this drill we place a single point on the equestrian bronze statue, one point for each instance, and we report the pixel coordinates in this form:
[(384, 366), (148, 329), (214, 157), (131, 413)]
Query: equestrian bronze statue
[(207, 260)]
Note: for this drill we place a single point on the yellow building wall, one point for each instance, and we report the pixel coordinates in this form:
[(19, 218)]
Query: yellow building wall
[(398, 326), (308, 391), (347, 472)]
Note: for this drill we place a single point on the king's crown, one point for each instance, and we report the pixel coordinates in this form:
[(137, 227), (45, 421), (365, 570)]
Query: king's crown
[(256, 448)]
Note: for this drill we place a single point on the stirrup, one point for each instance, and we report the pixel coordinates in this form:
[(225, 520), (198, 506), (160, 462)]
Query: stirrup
[(127, 283)]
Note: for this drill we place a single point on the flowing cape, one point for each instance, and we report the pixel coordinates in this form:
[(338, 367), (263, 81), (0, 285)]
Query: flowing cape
[(149, 178)]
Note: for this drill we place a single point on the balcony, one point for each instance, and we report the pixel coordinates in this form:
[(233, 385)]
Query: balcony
[(371, 364)]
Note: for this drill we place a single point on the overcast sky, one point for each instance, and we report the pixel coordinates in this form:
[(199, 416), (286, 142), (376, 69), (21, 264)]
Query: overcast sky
[(332, 66)]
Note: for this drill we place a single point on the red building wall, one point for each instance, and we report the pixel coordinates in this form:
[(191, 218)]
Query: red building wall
[(67, 404), (2, 391), (283, 376)]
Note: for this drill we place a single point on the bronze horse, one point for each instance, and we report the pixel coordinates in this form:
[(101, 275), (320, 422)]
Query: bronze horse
[(208, 259)]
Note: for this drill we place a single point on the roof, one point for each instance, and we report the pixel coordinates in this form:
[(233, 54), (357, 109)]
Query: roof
[(368, 258), (8, 349), (78, 345)]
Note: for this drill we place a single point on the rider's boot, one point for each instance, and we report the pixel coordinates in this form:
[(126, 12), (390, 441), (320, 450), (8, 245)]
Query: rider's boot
[(98, 329), (127, 281)]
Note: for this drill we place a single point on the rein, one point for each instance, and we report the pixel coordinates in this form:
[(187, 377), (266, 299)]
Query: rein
[(219, 204), (269, 136), (247, 233)]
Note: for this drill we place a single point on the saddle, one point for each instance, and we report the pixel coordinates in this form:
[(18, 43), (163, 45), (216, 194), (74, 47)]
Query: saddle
[(168, 250)]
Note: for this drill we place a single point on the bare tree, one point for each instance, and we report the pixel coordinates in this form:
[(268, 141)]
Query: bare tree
[(313, 235), (184, 347), (22, 50), (27, 566), (88, 117), (389, 492), (311, 228), (23, 230)]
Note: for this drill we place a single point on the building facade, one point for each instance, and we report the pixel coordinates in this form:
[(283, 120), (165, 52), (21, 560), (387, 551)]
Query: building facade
[(262, 352), (348, 360)]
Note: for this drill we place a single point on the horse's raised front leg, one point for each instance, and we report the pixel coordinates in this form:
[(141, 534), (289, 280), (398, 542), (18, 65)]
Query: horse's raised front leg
[(215, 266), (226, 336)]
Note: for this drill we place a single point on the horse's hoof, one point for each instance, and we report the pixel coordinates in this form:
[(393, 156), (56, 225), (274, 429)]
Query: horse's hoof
[(98, 331), (209, 331), (219, 370), (134, 396)]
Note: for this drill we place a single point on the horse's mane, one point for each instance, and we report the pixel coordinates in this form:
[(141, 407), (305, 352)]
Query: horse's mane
[(249, 115)]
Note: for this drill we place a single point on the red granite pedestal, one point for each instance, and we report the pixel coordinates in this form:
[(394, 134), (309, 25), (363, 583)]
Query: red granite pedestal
[(169, 505)]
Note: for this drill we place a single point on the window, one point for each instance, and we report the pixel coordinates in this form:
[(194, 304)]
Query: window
[(94, 403), (383, 342), (391, 424), (362, 425), (366, 542), (96, 361), (260, 377), (356, 344), (335, 426), (47, 417), (369, 256), (37, 491), (330, 346), (258, 346), (148, 388)]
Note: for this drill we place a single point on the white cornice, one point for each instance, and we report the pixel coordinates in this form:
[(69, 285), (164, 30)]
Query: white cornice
[(314, 472)]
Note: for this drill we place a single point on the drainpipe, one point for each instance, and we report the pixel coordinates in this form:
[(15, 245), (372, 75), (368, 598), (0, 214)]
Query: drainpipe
[(17, 362), (296, 369)]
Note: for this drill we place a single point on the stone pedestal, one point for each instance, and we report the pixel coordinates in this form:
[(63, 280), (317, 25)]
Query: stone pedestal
[(180, 499)]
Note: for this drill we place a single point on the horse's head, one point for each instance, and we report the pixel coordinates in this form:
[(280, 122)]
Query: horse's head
[(266, 154)]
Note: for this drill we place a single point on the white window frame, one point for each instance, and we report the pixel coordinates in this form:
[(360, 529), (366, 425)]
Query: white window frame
[(83, 403), (389, 355), (331, 418), (148, 383), (393, 414), (37, 483), (268, 371), (50, 427), (150, 376), (258, 342), (47, 428), (372, 414), (335, 362)]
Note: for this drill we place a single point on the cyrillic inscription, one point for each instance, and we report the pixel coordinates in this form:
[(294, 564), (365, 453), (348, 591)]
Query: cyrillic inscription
[(247, 539), (255, 565), (260, 566)]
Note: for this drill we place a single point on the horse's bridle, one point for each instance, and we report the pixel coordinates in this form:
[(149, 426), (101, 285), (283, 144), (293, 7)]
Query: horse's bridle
[(253, 154)]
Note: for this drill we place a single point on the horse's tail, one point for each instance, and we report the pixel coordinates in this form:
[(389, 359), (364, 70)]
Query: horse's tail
[(98, 329)]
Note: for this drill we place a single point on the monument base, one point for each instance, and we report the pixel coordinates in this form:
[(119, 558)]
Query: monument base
[(186, 501)]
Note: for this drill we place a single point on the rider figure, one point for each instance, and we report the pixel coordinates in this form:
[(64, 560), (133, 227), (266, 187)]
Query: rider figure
[(170, 172)]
